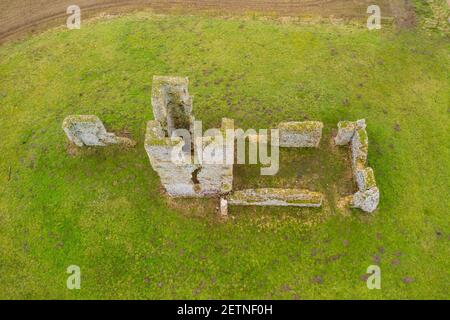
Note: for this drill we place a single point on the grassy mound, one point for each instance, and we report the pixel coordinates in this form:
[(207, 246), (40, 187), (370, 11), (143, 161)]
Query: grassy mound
[(102, 209)]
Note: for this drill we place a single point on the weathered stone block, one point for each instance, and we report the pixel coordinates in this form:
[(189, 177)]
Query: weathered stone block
[(223, 209), (210, 178), (172, 105), (366, 200), (355, 133), (361, 124), (365, 178), (159, 147), (176, 177), (306, 134), (215, 175), (88, 130), (346, 130), (276, 197), (188, 179)]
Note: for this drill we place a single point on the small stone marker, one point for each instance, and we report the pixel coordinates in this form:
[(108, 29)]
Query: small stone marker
[(88, 130), (172, 108)]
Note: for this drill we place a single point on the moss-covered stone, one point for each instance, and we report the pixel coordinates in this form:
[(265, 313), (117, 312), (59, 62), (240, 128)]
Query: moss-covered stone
[(366, 200), (172, 104), (360, 148), (227, 124), (88, 130), (300, 126), (155, 136), (363, 138)]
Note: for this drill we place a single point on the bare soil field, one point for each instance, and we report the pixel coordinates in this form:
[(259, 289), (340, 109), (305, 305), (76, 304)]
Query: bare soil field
[(23, 16)]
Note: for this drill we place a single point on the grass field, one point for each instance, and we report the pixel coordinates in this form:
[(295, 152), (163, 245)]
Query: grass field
[(103, 209), (19, 16)]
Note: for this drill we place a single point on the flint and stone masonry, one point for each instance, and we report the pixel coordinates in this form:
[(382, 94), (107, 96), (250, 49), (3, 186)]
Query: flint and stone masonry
[(276, 197), (306, 134), (172, 107), (172, 104), (177, 179), (346, 130), (354, 133), (223, 209), (88, 130)]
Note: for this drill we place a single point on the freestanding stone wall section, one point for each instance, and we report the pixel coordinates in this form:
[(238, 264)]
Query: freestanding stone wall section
[(195, 177), (172, 104), (88, 130), (354, 133), (216, 178), (172, 107), (306, 134), (276, 197)]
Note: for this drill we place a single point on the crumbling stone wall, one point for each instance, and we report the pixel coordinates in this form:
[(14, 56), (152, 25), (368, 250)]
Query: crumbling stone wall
[(177, 178), (306, 134), (195, 177), (216, 178), (172, 107), (272, 197), (346, 130), (354, 133)]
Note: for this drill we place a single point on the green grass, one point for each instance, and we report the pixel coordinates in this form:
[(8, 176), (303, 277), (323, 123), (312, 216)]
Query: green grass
[(103, 211)]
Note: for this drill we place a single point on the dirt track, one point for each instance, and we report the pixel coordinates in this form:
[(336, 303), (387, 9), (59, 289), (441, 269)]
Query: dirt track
[(22, 16)]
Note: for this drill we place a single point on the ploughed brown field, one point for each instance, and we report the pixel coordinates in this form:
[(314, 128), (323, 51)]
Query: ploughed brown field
[(17, 17)]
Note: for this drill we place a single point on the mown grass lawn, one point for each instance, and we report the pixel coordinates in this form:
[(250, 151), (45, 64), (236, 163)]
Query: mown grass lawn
[(103, 209)]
